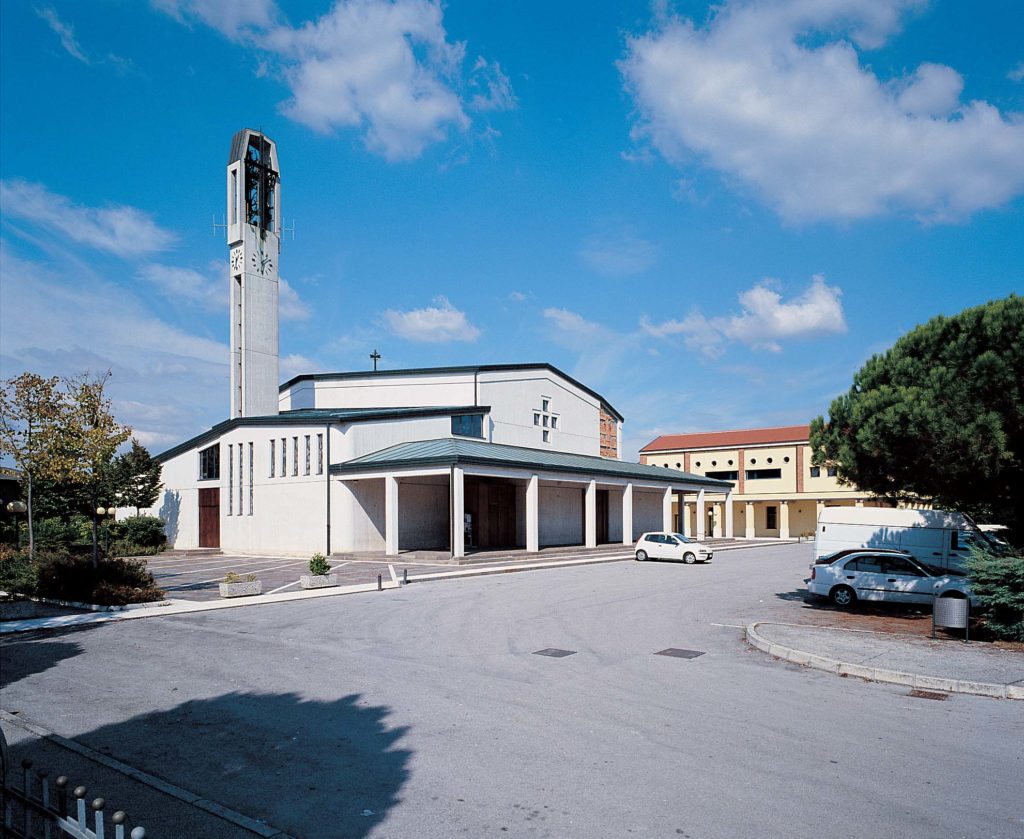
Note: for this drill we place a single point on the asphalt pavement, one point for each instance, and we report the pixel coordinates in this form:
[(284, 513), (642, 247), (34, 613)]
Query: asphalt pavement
[(428, 711)]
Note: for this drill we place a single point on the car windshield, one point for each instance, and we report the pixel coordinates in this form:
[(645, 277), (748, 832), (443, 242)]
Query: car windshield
[(682, 538)]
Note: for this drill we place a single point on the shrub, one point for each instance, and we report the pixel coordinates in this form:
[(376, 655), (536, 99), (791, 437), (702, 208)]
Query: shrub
[(318, 565), (18, 573), (113, 582), (232, 577), (124, 548), (998, 583), (56, 532), (144, 531)]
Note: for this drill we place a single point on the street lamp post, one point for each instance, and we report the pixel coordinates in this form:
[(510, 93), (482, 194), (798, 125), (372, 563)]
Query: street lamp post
[(16, 508), (100, 513)]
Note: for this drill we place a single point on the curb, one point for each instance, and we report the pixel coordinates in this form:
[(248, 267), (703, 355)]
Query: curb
[(256, 826), (880, 674)]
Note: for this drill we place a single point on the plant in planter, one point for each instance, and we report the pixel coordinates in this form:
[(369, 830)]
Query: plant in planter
[(319, 575), (237, 586)]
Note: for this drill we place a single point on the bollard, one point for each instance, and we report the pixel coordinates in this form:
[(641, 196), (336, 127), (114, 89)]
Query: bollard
[(118, 820), (405, 576), (62, 795), (380, 583), (26, 788)]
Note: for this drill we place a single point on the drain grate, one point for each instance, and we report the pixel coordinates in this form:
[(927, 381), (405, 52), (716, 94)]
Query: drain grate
[(554, 652), (929, 694), (675, 652)]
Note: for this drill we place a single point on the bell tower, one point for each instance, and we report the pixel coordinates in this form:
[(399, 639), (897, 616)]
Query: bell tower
[(254, 239)]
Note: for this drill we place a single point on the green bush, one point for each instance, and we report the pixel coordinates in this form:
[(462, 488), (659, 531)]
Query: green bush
[(122, 548), (18, 573), (144, 531), (318, 565), (998, 583), (56, 532), (113, 582)]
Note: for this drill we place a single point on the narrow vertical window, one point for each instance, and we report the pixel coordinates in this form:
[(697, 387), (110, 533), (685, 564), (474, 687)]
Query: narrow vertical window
[(273, 458), (295, 456), (241, 456), (284, 457), (231, 479), (234, 196), (319, 454), (306, 470), (250, 477)]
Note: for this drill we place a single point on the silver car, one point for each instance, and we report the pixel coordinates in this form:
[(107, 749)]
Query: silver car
[(883, 576), (665, 545)]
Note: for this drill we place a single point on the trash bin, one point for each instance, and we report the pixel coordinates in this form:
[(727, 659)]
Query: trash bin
[(952, 613)]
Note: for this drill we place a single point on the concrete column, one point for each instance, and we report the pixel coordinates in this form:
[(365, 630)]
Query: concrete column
[(716, 520), (783, 519), (684, 517), (819, 506), (666, 510), (701, 522), (627, 515), (590, 515), (533, 514), (458, 513), (748, 525), (728, 515), (391, 515)]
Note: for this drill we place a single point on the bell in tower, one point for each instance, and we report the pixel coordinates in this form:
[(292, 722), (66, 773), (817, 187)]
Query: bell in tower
[(254, 240)]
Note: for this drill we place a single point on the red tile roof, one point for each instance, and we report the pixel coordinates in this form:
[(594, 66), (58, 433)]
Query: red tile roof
[(729, 439)]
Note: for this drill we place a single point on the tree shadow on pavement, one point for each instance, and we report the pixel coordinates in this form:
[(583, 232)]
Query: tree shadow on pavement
[(29, 653), (309, 768)]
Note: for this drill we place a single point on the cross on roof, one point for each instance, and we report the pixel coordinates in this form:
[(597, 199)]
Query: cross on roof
[(376, 357)]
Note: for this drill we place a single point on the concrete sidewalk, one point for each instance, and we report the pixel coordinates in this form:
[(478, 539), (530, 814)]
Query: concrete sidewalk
[(943, 664)]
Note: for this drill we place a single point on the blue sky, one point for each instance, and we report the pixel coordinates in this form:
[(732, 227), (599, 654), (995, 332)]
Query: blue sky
[(713, 216)]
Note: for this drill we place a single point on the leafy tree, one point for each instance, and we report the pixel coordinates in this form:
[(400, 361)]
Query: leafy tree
[(137, 478), (939, 417), (34, 420), (94, 436)]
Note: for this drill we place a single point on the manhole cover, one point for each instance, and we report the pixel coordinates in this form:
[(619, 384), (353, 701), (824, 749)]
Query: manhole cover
[(929, 694), (675, 652), (555, 653)]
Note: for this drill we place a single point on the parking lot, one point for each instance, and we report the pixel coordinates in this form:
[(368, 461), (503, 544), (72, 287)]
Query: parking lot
[(431, 711)]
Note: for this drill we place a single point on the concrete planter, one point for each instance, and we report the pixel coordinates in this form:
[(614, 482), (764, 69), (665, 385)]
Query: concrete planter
[(318, 580), (243, 589)]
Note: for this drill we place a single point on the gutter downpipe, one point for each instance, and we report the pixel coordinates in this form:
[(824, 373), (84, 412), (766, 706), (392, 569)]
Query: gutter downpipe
[(327, 473)]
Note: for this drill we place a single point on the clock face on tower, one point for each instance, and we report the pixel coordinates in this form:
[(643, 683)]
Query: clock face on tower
[(261, 263), (236, 260)]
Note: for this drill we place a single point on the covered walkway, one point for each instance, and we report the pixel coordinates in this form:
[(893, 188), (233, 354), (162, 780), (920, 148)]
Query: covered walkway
[(454, 496)]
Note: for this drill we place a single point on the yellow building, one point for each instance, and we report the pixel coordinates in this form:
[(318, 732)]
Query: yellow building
[(777, 490)]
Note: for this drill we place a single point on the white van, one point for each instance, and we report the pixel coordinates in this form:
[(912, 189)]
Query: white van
[(935, 537)]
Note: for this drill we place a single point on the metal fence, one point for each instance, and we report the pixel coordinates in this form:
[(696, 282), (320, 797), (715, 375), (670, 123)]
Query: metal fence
[(32, 810)]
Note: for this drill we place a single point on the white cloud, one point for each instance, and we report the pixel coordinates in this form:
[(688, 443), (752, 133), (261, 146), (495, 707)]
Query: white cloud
[(293, 365), (124, 231), (190, 286), (572, 329), (64, 31), (385, 67), (440, 323), (167, 383), (1017, 73), (763, 322), (516, 296), (290, 305), (493, 88), (233, 18), (774, 96), (618, 254)]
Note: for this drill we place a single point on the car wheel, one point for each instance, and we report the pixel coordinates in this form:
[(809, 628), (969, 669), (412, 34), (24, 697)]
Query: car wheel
[(843, 596), (641, 556), (689, 558)]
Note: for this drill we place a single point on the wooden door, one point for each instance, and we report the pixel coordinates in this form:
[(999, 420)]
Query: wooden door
[(602, 516), (209, 518)]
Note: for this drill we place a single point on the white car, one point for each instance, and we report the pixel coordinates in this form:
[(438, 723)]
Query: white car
[(888, 576), (665, 545)]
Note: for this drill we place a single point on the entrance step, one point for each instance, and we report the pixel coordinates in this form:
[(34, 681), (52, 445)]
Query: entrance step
[(192, 552)]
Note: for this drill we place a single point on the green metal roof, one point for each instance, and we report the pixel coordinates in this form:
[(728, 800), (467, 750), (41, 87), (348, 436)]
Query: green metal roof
[(452, 451), (305, 416)]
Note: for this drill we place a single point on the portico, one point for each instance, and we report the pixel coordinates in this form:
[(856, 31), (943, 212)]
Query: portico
[(462, 495)]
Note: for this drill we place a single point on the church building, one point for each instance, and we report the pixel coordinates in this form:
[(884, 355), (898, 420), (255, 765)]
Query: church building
[(456, 459)]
